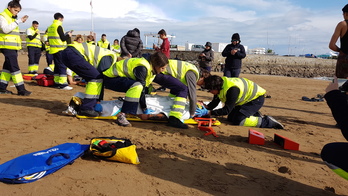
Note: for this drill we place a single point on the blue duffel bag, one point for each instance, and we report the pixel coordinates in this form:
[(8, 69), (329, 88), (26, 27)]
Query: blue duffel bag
[(33, 166)]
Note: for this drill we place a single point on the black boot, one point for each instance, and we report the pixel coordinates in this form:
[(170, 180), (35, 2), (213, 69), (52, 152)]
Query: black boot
[(89, 113), (24, 93), (174, 122), (273, 123), (5, 92)]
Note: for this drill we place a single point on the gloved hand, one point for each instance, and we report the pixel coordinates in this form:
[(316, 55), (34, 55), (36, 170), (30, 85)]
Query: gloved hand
[(201, 111), (148, 111), (98, 107)]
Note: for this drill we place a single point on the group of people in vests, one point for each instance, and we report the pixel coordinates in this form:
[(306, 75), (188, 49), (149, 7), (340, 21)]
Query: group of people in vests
[(101, 68)]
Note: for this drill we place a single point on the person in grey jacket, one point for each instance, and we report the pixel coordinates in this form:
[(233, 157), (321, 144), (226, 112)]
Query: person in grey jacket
[(206, 57), (131, 44)]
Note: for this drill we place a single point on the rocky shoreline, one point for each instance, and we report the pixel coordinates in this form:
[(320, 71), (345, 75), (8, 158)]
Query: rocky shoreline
[(289, 66), (301, 67)]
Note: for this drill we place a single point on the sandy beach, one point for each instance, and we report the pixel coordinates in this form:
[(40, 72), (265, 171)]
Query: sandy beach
[(176, 161)]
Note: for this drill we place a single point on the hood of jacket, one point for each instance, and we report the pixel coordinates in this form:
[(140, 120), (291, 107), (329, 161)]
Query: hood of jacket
[(133, 33)]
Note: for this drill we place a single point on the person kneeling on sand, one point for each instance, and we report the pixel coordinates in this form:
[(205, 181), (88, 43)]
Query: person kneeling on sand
[(132, 76), (243, 100), (333, 154)]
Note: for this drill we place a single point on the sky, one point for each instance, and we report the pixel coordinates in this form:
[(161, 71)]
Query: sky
[(288, 27)]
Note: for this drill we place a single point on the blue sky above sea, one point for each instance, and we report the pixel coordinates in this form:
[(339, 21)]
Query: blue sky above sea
[(289, 27)]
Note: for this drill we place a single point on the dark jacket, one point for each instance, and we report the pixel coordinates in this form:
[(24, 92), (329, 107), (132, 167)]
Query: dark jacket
[(337, 101), (131, 44), (233, 61), (207, 60)]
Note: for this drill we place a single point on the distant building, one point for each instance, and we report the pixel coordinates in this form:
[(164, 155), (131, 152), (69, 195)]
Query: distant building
[(257, 51), (155, 35), (176, 47), (194, 47), (219, 47)]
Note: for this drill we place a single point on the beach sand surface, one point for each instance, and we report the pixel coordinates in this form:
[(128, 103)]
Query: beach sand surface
[(176, 161)]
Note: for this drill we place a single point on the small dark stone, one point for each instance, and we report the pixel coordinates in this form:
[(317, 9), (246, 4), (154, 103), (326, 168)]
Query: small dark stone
[(331, 189), (283, 169)]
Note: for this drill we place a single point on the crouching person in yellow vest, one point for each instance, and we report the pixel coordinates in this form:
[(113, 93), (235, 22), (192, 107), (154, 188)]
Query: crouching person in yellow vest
[(89, 61), (242, 98), (181, 78), (10, 43), (132, 76)]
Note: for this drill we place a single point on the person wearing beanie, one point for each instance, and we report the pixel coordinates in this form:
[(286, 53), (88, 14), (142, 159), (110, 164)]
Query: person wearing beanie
[(234, 54), (206, 57), (341, 32)]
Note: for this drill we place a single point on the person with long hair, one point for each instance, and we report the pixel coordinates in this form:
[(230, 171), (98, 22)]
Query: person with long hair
[(10, 43)]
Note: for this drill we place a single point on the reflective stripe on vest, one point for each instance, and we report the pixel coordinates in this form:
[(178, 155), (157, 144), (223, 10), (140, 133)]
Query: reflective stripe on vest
[(248, 90), (124, 68), (178, 70), (92, 53), (10, 40), (56, 44), (36, 42)]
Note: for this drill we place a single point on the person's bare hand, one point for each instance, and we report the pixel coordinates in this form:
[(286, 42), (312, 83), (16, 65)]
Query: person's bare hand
[(332, 86), (234, 51), (24, 18)]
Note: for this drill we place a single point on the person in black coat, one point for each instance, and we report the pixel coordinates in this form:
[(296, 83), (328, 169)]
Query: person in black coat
[(131, 44), (234, 54)]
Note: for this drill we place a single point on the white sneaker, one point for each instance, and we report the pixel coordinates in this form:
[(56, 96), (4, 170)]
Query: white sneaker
[(122, 120), (67, 88)]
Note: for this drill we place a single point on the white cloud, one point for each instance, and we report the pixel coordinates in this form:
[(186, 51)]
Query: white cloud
[(261, 23)]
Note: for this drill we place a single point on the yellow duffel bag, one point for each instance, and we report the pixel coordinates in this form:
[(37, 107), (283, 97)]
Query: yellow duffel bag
[(114, 149)]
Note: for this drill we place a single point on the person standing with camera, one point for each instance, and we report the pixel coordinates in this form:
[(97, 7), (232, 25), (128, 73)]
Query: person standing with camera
[(234, 54), (206, 57)]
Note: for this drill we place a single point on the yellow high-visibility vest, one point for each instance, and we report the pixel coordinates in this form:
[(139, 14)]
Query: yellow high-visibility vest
[(36, 42), (178, 69), (248, 90), (56, 44), (124, 68), (12, 40)]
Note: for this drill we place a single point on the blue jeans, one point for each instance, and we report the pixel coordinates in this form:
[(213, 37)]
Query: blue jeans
[(232, 72)]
